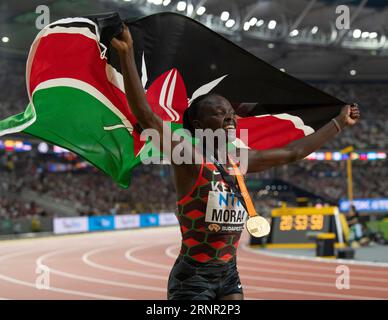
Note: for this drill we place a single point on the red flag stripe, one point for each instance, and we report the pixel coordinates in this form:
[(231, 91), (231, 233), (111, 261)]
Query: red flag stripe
[(52, 60), (179, 96), (269, 131)]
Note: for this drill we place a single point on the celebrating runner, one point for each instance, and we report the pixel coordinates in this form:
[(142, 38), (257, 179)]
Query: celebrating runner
[(210, 213)]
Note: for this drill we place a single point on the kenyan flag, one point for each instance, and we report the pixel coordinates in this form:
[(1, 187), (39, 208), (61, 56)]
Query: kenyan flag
[(77, 98)]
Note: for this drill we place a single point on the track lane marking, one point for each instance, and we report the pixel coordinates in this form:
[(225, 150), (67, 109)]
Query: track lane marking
[(375, 265), (40, 262), (169, 253), (54, 289)]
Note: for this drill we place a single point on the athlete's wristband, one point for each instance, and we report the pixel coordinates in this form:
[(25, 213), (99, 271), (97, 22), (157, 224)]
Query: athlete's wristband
[(336, 125)]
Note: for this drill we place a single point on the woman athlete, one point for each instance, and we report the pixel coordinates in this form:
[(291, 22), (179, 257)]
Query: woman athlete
[(206, 266)]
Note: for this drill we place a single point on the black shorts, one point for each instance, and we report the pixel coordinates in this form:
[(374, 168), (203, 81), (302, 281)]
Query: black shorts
[(191, 280)]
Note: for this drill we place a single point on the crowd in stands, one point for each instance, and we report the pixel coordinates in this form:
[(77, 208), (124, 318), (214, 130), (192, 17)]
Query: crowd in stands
[(13, 93), (90, 193), (372, 98), (11, 205), (329, 178), (371, 132), (152, 189)]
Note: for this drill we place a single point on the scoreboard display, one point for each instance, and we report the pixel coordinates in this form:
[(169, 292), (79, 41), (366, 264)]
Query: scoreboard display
[(295, 227)]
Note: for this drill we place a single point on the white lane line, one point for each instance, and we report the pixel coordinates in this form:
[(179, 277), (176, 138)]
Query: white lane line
[(312, 283), (169, 252), (308, 274), (69, 239), (259, 262), (299, 266), (309, 267), (273, 289), (246, 247), (54, 289), (302, 273), (40, 262), (128, 255), (86, 260), (321, 294)]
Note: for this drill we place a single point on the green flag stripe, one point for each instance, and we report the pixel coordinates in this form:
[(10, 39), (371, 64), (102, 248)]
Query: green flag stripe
[(18, 122), (75, 120), (84, 86)]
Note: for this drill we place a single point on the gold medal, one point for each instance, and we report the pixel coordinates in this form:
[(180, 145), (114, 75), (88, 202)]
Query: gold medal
[(258, 226)]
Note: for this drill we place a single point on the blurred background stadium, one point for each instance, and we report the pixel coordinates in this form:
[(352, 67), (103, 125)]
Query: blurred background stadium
[(41, 182)]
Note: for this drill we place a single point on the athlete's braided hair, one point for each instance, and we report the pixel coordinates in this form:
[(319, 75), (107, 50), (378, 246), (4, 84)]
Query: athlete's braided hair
[(191, 112)]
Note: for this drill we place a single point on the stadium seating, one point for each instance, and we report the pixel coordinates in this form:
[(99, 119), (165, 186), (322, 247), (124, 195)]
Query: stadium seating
[(91, 193)]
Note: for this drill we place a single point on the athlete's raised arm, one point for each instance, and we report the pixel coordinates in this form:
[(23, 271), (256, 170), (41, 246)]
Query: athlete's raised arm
[(185, 175), (133, 87), (299, 149)]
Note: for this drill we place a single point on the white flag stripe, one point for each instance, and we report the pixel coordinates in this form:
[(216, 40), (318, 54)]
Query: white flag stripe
[(298, 122), (163, 96), (206, 88), (144, 77), (170, 96), (22, 126), (114, 77), (118, 126)]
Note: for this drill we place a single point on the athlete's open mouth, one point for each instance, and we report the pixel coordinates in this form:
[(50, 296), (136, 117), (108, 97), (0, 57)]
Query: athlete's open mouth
[(229, 127)]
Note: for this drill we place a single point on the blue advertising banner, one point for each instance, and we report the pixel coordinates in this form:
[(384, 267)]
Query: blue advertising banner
[(365, 205), (149, 220), (100, 223)]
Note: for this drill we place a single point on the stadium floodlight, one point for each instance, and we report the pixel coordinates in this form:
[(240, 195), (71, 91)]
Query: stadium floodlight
[(230, 23), (373, 35), (246, 26), (353, 72), (43, 147), (356, 33), (272, 24), (271, 45), (5, 39), (201, 10), (294, 33), (314, 30), (158, 2), (127, 0), (282, 70), (260, 23), (253, 21), (181, 6), (166, 2), (225, 15), (365, 34)]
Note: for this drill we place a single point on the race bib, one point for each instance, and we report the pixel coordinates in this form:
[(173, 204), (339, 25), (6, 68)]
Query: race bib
[(224, 212)]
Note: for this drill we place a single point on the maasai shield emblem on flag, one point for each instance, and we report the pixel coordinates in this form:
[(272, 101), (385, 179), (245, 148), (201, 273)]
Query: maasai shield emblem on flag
[(77, 98)]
